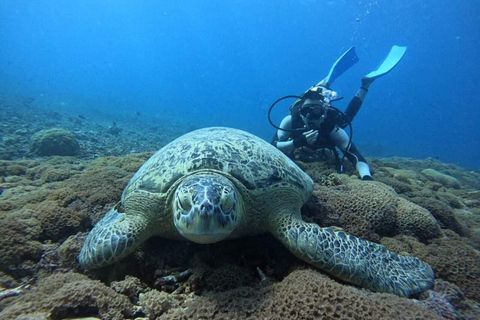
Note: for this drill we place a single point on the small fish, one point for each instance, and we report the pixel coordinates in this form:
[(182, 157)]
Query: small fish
[(82, 117)]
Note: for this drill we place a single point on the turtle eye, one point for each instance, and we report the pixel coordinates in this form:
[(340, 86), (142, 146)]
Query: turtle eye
[(185, 201), (227, 200)]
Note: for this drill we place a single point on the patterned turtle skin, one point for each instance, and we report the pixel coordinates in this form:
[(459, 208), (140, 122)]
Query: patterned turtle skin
[(219, 183)]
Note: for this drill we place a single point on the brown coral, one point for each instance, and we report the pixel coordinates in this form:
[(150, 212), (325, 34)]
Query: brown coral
[(370, 210), (53, 142), (154, 303), (54, 199), (131, 286), (416, 221), (19, 241), (56, 221), (303, 294), (67, 295), (443, 213), (452, 259), (227, 277), (442, 178)]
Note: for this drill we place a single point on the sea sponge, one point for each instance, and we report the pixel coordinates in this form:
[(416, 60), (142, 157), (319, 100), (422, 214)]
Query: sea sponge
[(69, 295), (53, 142), (444, 179)]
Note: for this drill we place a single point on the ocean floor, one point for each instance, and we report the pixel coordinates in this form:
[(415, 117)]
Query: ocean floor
[(49, 203)]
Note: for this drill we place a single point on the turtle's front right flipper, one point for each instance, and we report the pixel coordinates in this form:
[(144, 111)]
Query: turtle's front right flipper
[(115, 236), (353, 260)]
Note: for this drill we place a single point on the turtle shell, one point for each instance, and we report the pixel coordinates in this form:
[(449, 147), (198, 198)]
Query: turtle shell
[(256, 164)]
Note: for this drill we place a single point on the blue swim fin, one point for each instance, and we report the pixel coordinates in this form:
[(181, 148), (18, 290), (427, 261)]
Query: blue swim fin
[(346, 60), (393, 57)]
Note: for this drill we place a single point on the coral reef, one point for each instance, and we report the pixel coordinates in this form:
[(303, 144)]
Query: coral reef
[(228, 277), (23, 117), (48, 206), (154, 303), (443, 213), (444, 179), (35, 207), (131, 287), (369, 210), (443, 298), (60, 296), (454, 260), (416, 221), (303, 294), (53, 142)]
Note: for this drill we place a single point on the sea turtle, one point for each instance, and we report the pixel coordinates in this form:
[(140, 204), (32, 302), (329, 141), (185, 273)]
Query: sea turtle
[(219, 183)]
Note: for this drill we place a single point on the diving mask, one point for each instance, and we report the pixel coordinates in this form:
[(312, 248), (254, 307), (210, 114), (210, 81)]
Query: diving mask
[(312, 111)]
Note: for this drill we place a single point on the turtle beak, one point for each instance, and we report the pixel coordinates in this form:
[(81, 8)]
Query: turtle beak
[(204, 224)]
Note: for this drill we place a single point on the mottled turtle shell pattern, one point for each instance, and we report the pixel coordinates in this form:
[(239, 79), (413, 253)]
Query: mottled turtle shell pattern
[(256, 164)]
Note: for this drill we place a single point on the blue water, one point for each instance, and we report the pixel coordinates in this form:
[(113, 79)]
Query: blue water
[(225, 62)]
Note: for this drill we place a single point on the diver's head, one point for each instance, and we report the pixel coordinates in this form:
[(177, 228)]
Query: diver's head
[(312, 112)]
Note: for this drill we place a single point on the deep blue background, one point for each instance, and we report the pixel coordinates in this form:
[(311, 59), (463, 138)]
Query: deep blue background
[(225, 62)]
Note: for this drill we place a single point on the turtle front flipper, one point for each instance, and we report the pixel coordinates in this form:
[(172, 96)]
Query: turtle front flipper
[(115, 236), (352, 259)]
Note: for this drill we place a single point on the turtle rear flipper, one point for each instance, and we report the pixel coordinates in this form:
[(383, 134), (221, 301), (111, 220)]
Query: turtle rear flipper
[(115, 236), (352, 259)]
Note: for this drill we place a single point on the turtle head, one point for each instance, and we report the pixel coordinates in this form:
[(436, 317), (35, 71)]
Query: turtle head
[(206, 208)]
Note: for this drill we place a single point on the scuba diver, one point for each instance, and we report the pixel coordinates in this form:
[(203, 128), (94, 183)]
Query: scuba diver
[(315, 124)]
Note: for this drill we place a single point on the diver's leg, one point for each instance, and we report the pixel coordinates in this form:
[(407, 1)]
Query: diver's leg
[(340, 139), (359, 162), (354, 106)]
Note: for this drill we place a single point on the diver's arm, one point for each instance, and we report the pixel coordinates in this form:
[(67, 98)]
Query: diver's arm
[(287, 125), (283, 144), (286, 146)]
